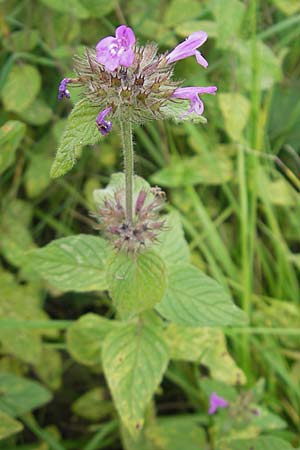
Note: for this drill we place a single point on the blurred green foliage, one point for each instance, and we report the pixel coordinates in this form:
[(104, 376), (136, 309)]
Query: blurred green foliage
[(240, 215)]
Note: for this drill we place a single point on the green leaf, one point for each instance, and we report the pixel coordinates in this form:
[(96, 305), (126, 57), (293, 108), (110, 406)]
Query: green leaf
[(16, 238), (98, 8), (49, 368), (21, 40), (73, 7), (93, 405), (136, 282), (85, 338), (236, 110), (205, 345), (194, 299), (172, 246), (268, 65), (81, 130), (37, 176), (184, 29), (19, 395), (168, 433), (134, 360), (37, 113), (177, 433), (289, 7), (261, 443), (75, 263), (196, 170), (175, 109), (14, 96), (20, 302), (11, 135), (8, 426), (229, 16), (180, 10)]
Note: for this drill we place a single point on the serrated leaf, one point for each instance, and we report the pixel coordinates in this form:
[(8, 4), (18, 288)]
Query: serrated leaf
[(19, 395), (172, 246), (134, 360), (194, 299), (11, 135), (236, 110), (136, 282), (196, 170), (93, 405), (80, 130), (75, 263), (174, 110), (14, 96), (205, 345), (8, 426), (85, 338)]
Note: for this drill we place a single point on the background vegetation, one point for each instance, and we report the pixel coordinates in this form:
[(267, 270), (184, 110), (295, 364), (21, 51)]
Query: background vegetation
[(234, 182)]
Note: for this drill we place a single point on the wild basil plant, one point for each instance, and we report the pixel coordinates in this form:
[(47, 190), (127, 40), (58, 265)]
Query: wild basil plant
[(165, 307)]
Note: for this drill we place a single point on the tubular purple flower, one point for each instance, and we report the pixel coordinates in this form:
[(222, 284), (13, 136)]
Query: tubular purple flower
[(114, 52), (103, 125), (216, 402), (62, 89), (192, 94), (189, 48)]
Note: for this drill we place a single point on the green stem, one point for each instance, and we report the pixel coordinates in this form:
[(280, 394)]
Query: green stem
[(126, 132)]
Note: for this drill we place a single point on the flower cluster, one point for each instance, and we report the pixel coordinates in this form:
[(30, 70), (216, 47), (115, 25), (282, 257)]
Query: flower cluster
[(132, 82), (146, 224)]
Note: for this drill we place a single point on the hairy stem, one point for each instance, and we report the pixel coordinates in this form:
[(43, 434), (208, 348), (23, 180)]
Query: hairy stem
[(126, 132)]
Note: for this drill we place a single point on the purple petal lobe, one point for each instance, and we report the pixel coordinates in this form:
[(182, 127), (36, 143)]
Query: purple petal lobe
[(62, 89), (126, 35), (216, 402), (103, 125), (189, 48), (192, 94), (114, 52)]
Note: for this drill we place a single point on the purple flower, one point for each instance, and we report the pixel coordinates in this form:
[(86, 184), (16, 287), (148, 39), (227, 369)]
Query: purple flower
[(104, 126), (192, 94), (117, 51), (216, 402), (189, 48), (62, 89)]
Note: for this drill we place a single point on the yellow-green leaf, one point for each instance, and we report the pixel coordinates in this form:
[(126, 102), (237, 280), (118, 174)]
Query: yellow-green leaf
[(11, 135), (85, 338), (74, 263), (21, 87), (194, 299), (135, 358), (8, 426)]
